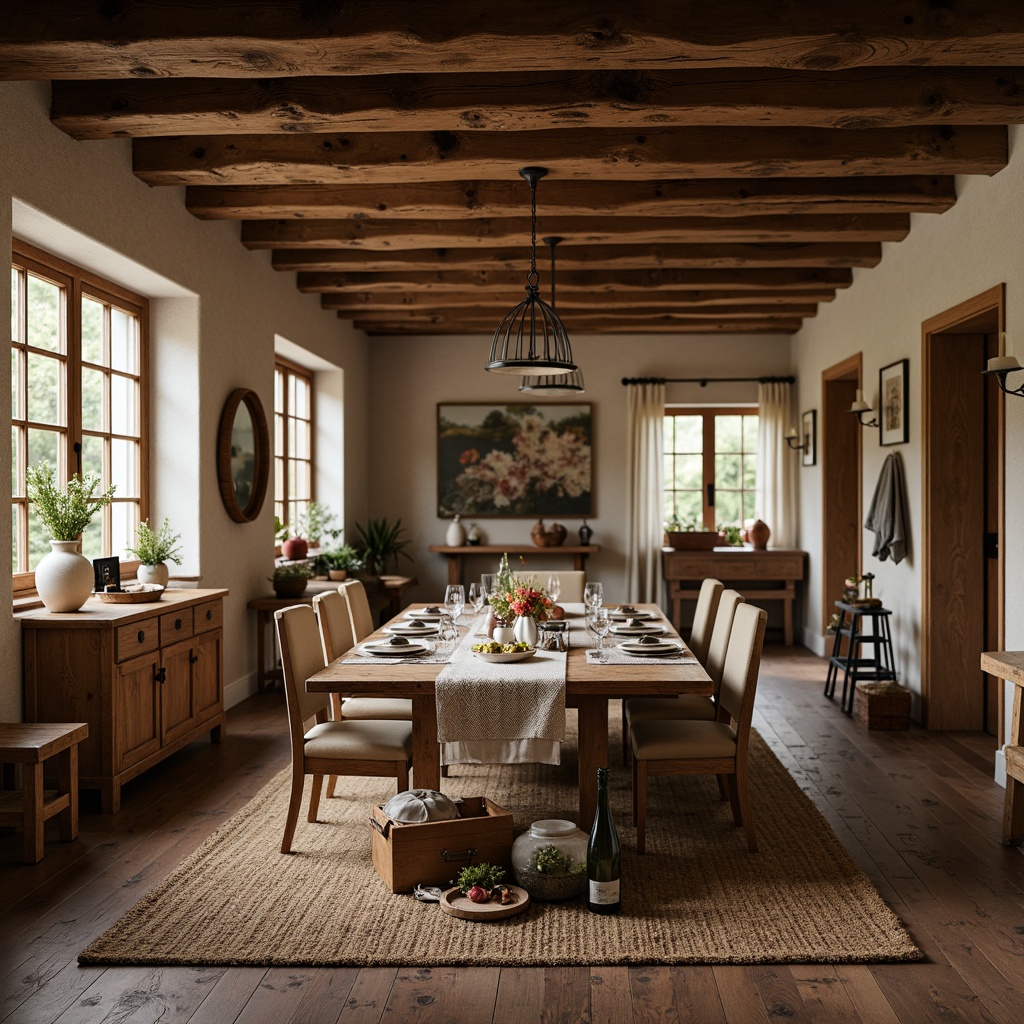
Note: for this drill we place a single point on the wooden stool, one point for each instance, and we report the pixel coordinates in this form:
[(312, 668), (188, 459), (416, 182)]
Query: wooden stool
[(31, 744)]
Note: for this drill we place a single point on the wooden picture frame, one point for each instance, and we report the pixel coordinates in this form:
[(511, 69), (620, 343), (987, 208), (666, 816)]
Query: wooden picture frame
[(524, 460), (893, 422), (243, 455), (809, 437)]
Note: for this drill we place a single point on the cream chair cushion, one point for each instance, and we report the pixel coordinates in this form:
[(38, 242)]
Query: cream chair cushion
[(688, 706), (394, 709), (365, 741), (719, 646), (704, 618), (358, 609), (573, 581), (335, 624), (677, 741)]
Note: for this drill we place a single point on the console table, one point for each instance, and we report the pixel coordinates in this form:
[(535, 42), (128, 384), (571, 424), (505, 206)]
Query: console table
[(1009, 665), (455, 556), (746, 569)]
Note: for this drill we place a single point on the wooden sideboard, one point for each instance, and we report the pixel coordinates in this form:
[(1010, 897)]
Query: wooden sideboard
[(147, 678), (746, 569), (456, 556)]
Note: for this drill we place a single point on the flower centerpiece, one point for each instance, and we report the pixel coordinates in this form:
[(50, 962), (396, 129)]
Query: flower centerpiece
[(64, 577), (154, 549), (520, 601)]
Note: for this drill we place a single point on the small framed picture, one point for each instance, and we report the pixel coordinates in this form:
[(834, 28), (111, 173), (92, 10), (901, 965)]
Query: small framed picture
[(809, 437), (106, 571), (893, 425)]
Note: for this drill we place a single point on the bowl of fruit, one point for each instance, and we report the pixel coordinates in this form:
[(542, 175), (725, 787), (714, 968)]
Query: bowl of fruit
[(492, 651)]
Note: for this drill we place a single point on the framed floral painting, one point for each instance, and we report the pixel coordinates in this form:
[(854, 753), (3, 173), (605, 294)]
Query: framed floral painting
[(514, 460)]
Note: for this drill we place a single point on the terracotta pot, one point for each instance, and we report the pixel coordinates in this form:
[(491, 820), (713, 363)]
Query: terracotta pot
[(294, 548), (758, 535), (337, 574)]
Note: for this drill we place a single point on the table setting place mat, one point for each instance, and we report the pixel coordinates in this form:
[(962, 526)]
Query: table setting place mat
[(436, 655), (613, 656), (511, 712)]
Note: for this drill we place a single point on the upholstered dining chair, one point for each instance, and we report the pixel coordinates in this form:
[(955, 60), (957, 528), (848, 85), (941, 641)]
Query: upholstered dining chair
[(572, 580), (377, 748), (688, 707), (674, 747), (358, 609), (704, 618)]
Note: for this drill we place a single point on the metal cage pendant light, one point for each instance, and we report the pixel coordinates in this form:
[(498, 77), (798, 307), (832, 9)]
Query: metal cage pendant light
[(548, 384), (531, 339)]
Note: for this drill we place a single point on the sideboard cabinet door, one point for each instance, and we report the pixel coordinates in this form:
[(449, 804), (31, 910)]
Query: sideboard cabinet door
[(136, 708)]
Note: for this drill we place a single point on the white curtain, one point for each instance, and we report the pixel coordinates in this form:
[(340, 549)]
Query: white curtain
[(645, 447), (777, 464)]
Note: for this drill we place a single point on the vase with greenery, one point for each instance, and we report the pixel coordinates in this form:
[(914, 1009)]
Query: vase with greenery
[(381, 544), (154, 549), (339, 562), (290, 580), (64, 577)]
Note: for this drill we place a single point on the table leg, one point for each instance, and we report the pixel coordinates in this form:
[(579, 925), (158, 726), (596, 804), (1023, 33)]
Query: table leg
[(33, 813), (787, 613), (426, 753), (67, 782), (261, 650), (1013, 807), (593, 724)]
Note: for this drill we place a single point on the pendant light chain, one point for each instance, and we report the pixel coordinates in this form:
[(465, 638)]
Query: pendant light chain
[(534, 276)]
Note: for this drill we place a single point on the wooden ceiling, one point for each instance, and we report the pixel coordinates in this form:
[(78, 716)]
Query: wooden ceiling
[(713, 167)]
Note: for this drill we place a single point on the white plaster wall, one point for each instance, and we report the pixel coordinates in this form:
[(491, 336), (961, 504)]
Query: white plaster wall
[(203, 346), (945, 260), (410, 376)]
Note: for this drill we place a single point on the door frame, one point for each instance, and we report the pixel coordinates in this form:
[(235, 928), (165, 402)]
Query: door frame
[(957, 320)]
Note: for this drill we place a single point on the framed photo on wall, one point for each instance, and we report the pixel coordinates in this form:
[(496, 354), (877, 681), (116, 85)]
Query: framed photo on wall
[(893, 424), (809, 437), (514, 460)]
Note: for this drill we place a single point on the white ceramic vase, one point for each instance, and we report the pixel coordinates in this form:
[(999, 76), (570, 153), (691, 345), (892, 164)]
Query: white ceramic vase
[(456, 535), (525, 630), (503, 634), (158, 574), (64, 578)]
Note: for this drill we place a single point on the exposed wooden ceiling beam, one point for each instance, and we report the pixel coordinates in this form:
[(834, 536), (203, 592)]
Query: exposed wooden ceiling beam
[(572, 300), (598, 282), (240, 38), (354, 233), (726, 197), (599, 325), (494, 312), (861, 98), (812, 254), (583, 153)]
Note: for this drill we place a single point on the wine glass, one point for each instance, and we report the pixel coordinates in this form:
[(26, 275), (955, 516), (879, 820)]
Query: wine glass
[(487, 580), (476, 597), (554, 586), (599, 623), (454, 601), (593, 595)]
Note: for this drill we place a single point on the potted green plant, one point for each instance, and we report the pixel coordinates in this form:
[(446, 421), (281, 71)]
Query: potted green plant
[(341, 561), (290, 580), (64, 577), (154, 549), (688, 534), (380, 544)]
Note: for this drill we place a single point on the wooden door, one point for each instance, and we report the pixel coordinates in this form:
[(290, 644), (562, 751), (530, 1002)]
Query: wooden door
[(177, 705), (136, 710), (206, 674)]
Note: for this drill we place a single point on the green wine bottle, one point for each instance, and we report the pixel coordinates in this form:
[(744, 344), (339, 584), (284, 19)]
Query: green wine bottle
[(603, 855)]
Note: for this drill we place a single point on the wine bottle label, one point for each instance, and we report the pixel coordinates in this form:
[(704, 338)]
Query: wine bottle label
[(604, 892)]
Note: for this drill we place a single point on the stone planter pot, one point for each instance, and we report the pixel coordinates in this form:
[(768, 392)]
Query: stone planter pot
[(158, 574), (64, 578), (337, 574)]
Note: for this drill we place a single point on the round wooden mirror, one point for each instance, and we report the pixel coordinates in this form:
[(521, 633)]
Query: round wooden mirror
[(243, 455)]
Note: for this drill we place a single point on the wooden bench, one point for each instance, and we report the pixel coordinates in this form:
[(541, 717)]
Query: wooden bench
[(31, 745)]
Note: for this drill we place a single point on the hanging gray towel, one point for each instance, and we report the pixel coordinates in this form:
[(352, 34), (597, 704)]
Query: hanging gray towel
[(886, 515)]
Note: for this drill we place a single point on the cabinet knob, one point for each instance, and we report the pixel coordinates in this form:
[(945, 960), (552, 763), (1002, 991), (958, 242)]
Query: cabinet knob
[(141, 636), (160, 675), (209, 615), (193, 658), (177, 623)]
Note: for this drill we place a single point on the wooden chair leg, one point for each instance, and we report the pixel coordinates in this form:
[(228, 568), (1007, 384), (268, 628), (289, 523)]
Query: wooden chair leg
[(33, 813), (336, 715), (314, 797), (444, 771), (294, 803), (640, 795), (67, 782), (734, 799), (627, 750), (723, 789), (743, 796), (402, 775), (332, 782)]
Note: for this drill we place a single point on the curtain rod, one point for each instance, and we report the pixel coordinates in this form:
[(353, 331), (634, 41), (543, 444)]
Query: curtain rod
[(705, 381)]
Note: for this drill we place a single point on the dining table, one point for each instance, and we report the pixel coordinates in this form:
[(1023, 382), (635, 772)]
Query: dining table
[(589, 686)]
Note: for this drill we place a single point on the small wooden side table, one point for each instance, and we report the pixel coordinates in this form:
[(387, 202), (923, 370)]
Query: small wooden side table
[(31, 744), (878, 668), (1009, 665)]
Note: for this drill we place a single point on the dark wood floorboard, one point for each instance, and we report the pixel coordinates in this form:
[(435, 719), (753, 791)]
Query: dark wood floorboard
[(917, 810)]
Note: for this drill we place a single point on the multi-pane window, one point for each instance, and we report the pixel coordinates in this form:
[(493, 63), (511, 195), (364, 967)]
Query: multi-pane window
[(293, 440), (78, 398), (710, 466)]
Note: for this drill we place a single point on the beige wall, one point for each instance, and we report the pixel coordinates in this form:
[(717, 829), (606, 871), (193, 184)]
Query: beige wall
[(213, 330), (945, 260), (409, 376)]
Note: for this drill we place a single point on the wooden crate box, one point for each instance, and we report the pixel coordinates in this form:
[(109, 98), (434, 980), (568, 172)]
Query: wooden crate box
[(434, 852), (882, 705)]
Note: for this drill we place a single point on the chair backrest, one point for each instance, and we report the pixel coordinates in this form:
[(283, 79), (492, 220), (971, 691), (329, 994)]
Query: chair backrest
[(572, 580), (719, 646), (332, 617), (742, 663), (704, 618), (358, 609), (301, 657)]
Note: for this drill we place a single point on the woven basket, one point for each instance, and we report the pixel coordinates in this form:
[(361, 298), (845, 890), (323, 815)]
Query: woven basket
[(883, 705)]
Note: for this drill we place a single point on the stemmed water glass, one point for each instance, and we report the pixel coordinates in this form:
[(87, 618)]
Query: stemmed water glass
[(454, 601), (599, 623), (554, 587), (476, 597), (593, 595), (487, 580), (447, 634)]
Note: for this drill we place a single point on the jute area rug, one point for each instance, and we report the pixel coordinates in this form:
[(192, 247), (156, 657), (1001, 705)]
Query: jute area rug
[(695, 897)]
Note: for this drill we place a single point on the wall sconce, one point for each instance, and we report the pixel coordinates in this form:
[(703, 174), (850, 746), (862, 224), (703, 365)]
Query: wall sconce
[(860, 409), (999, 367), (793, 440)]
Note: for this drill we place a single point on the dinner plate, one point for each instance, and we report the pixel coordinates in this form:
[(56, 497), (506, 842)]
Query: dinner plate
[(622, 629), (620, 616), (661, 649), (429, 614), (498, 659), (405, 629), (385, 649)]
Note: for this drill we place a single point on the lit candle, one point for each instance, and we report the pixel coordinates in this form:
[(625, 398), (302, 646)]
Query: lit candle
[(792, 432)]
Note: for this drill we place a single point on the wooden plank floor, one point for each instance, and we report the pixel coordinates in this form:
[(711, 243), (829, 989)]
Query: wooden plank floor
[(917, 810)]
